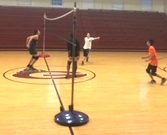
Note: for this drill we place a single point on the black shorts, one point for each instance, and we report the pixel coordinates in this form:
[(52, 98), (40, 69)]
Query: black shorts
[(33, 51), (76, 54), (86, 52), (151, 69)]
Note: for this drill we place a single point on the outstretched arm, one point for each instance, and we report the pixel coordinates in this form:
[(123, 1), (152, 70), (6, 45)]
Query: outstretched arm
[(96, 38), (93, 38)]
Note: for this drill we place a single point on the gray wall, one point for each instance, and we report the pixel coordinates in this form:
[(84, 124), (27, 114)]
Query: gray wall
[(157, 5)]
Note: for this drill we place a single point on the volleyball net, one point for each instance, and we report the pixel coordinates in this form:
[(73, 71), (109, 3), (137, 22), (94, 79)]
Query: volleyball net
[(56, 30)]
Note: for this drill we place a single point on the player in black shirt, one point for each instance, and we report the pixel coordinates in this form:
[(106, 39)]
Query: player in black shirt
[(31, 44), (70, 46)]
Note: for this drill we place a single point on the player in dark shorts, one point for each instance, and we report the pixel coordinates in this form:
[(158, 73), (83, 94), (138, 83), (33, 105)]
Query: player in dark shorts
[(86, 54), (87, 47), (153, 62), (70, 46), (31, 44)]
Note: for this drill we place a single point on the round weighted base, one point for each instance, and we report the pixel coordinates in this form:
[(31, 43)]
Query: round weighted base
[(71, 118)]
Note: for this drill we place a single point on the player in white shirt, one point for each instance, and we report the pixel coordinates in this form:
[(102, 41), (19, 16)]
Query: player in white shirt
[(87, 47)]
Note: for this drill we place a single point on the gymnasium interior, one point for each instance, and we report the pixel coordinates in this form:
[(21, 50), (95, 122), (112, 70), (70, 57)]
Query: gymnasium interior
[(112, 89)]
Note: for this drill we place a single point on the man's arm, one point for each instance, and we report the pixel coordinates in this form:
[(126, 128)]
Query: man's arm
[(29, 39), (96, 38), (146, 57)]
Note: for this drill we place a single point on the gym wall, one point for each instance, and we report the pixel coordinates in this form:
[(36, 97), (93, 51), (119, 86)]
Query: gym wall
[(118, 29), (136, 5)]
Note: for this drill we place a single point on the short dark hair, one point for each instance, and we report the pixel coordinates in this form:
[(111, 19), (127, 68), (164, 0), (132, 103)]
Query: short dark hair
[(151, 41), (35, 31)]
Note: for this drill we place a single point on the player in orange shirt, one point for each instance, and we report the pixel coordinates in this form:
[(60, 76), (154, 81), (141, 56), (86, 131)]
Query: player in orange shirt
[(153, 62)]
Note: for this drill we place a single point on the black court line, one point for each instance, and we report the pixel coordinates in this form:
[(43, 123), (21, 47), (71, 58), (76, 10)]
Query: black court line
[(57, 92), (54, 84), (163, 69), (71, 130)]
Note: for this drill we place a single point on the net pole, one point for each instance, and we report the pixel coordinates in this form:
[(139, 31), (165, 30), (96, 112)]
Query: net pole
[(73, 58), (44, 32), (43, 54), (72, 117)]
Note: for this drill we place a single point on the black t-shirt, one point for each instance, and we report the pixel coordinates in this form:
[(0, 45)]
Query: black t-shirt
[(76, 46), (33, 46)]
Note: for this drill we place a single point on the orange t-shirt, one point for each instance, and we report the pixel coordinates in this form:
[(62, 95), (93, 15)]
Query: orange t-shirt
[(153, 56)]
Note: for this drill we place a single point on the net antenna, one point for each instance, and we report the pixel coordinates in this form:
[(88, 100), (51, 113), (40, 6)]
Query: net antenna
[(43, 54), (69, 117)]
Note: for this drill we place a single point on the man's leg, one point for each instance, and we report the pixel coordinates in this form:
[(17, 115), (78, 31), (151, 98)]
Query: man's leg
[(153, 72), (75, 68), (68, 68), (150, 73)]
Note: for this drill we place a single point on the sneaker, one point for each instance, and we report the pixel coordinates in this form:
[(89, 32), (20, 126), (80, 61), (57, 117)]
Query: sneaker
[(67, 76), (27, 69), (87, 59), (163, 81), (33, 69), (82, 63), (152, 81)]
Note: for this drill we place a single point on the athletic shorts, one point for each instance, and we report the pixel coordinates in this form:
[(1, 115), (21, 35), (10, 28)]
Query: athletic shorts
[(75, 58), (151, 69), (86, 52), (33, 51)]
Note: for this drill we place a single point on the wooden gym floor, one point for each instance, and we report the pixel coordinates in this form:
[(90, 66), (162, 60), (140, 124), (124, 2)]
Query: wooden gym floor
[(112, 89)]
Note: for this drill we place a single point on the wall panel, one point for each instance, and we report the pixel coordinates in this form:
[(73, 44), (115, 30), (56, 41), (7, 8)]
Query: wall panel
[(118, 30)]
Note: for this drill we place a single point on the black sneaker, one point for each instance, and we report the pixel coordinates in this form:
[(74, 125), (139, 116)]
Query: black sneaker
[(87, 59), (153, 82), (82, 63), (163, 81), (27, 69), (67, 76), (34, 69)]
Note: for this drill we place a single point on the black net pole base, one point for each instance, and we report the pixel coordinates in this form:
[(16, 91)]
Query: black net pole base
[(71, 118)]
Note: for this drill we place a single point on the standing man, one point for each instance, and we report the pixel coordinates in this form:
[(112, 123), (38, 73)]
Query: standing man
[(73, 44), (87, 47), (153, 63), (31, 44)]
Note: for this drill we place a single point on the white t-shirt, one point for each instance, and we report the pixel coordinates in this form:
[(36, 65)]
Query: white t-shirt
[(88, 42)]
